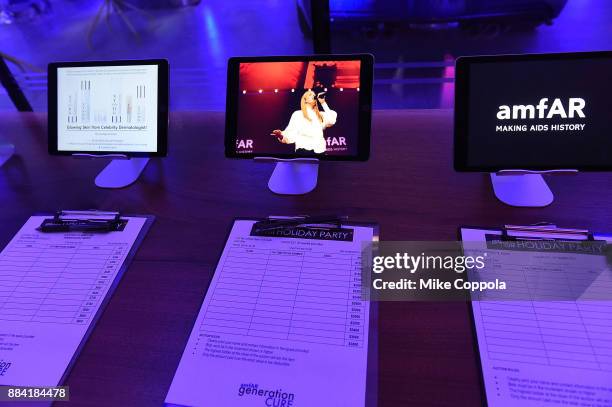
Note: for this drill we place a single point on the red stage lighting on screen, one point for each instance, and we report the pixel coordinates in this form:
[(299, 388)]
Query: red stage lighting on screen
[(298, 76)]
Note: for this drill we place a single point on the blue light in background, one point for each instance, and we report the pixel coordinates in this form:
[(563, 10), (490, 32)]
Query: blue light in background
[(212, 34)]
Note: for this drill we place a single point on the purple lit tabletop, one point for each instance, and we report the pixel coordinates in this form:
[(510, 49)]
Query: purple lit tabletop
[(426, 354)]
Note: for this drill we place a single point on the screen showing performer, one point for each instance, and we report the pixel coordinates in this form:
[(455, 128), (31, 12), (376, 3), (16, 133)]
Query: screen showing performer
[(307, 125), (306, 109)]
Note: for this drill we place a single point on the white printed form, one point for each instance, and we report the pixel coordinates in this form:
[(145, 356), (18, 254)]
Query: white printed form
[(51, 287), (282, 324), (546, 352)]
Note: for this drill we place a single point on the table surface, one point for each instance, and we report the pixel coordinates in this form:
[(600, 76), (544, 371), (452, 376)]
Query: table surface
[(426, 354)]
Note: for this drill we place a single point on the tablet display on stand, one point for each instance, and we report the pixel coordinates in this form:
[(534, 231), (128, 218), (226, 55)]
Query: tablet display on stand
[(297, 111), (110, 109), (522, 116)]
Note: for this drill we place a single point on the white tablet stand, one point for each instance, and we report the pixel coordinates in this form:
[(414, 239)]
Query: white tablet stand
[(121, 172), (524, 188), (6, 151), (295, 176)]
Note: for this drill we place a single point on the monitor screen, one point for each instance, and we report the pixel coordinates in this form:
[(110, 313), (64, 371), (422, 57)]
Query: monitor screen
[(299, 108), (108, 108), (540, 112)]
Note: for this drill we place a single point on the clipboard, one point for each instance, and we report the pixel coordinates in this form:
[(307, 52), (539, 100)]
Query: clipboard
[(513, 233), (339, 222), (148, 222), (150, 219), (319, 222)]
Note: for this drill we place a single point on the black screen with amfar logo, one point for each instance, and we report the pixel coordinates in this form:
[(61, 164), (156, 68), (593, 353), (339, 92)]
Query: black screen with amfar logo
[(538, 113)]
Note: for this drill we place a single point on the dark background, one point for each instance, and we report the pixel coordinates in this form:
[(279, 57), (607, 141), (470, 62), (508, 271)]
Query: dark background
[(415, 56), (526, 82)]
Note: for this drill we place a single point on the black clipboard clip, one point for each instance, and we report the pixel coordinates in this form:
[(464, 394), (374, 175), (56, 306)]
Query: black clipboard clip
[(548, 229), (83, 221), (283, 222)]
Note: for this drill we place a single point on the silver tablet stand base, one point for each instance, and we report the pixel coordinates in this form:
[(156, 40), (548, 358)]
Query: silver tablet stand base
[(524, 188), (120, 172), (296, 176)]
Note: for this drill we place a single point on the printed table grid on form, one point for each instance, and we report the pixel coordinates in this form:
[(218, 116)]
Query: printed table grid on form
[(548, 330), (289, 294), (57, 283), (555, 333)]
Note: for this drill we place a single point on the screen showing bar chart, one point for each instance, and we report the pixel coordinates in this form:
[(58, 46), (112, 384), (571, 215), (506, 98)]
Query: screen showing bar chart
[(107, 108)]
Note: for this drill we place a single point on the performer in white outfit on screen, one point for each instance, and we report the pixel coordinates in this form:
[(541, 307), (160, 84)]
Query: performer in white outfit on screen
[(306, 126)]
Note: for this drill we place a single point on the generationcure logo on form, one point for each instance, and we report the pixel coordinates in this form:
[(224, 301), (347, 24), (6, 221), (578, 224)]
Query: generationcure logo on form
[(4, 367), (269, 398)]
